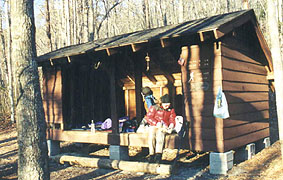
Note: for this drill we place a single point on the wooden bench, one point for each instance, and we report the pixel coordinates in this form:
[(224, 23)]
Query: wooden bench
[(107, 138)]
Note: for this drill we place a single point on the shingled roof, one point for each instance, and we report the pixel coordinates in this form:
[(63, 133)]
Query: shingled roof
[(219, 25)]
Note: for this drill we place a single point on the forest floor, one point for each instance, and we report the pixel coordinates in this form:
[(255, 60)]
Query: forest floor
[(266, 164)]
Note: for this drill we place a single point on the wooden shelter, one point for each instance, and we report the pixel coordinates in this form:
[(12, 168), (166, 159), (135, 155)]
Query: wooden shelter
[(103, 79)]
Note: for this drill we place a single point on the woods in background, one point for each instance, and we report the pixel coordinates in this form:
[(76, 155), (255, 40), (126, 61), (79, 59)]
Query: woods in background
[(61, 23)]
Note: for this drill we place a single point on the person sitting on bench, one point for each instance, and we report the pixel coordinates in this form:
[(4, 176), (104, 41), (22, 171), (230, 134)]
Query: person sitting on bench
[(161, 121), (148, 96)]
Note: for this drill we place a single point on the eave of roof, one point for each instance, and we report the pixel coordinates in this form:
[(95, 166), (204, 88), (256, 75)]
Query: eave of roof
[(190, 27), (219, 25)]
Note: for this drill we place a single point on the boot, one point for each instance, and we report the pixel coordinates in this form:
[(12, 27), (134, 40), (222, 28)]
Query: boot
[(157, 158), (151, 158)]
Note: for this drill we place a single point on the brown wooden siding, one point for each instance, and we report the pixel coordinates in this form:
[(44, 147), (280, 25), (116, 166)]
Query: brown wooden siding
[(250, 109), (243, 80), (52, 95)]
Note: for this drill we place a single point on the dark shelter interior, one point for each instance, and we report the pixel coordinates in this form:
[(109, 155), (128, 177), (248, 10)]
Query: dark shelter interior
[(86, 81)]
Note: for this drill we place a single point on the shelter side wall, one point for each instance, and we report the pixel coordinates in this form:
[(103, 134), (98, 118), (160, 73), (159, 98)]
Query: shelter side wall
[(206, 131), (246, 89), (52, 95)]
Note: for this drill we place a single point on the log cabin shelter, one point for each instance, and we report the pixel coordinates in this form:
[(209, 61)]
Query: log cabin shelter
[(103, 78)]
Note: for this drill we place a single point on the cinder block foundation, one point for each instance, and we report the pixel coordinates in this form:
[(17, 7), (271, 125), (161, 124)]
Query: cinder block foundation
[(244, 153), (220, 163), (261, 144), (53, 147), (266, 142), (119, 152)]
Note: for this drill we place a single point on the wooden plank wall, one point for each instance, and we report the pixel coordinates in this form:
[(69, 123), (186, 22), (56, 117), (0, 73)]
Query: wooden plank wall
[(244, 83), (247, 94), (206, 131), (52, 96)]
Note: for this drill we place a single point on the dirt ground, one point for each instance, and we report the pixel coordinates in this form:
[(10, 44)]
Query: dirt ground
[(266, 165)]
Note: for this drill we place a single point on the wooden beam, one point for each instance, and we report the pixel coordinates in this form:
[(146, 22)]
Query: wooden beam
[(150, 77), (134, 166), (201, 36), (110, 51), (215, 33), (263, 45), (136, 47), (51, 62), (270, 75), (69, 59), (131, 78), (164, 42), (207, 35)]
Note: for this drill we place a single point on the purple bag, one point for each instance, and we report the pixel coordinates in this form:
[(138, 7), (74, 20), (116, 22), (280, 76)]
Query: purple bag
[(107, 124)]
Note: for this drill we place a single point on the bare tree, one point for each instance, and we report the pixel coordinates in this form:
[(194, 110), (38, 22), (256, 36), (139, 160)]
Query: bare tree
[(277, 62), (67, 23), (107, 12), (9, 62), (146, 14), (85, 12), (3, 60), (48, 26), (31, 126), (91, 20)]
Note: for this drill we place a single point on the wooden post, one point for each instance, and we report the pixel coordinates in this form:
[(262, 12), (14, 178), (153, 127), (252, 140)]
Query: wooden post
[(184, 55), (113, 97), (138, 86)]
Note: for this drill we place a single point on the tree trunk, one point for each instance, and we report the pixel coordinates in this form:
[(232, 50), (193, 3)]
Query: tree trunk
[(91, 20), (9, 62), (74, 22), (67, 23), (146, 14), (245, 4), (85, 20), (3, 60), (228, 5), (180, 11), (31, 126), (48, 29), (280, 15), (80, 24), (62, 24), (277, 61)]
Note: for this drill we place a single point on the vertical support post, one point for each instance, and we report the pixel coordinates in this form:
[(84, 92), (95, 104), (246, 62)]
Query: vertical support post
[(113, 97), (115, 150), (184, 56), (138, 86)]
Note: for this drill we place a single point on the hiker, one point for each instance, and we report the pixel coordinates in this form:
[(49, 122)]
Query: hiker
[(161, 121), (149, 101), (148, 96)]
